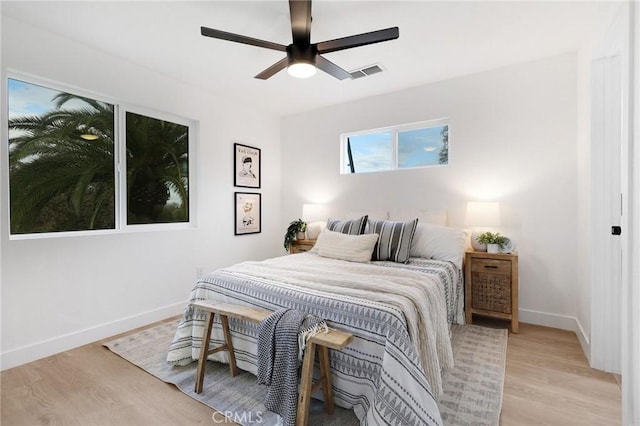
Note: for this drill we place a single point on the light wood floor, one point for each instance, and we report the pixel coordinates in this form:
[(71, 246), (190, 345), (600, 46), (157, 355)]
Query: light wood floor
[(548, 382)]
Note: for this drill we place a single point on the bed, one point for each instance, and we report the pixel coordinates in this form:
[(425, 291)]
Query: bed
[(399, 314)]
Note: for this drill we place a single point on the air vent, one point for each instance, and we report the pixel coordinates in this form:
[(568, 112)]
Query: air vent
[(366, 71)]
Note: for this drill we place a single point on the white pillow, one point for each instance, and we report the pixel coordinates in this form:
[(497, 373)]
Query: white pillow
[(354, 248), (439, 242), (437, 217)]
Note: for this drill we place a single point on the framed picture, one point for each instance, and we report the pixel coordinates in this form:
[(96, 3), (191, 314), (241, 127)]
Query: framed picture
[(246, 172), (248, 216)]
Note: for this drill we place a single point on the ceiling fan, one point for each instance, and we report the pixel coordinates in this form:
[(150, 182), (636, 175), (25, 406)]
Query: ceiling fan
[(303, 57)]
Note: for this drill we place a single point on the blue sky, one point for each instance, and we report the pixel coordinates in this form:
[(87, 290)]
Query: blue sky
[(416, 148), (29, 99), (26, 99), (372, 152)]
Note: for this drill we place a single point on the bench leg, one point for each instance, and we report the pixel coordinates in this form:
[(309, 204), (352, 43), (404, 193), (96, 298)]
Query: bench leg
[(306, 382), (325, 376), (227, 339), (204, 350)]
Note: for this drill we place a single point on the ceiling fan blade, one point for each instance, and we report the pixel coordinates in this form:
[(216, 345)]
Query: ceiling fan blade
[(358, 40), (278, 66), (331, 68), (300, 11), (210, 32)]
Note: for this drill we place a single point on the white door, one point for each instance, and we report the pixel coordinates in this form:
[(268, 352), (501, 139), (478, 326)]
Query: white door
[(606, 251)]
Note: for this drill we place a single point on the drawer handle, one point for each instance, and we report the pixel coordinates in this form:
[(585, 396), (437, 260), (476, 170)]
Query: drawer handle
[(491, 266)]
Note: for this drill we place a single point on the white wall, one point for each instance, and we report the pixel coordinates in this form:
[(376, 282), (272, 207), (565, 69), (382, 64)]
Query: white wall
[(62, 292), (512, 139)]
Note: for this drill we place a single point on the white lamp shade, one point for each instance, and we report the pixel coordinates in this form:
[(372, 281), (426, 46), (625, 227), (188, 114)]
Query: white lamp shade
[(314, 213), (316, 217), (483, 213)]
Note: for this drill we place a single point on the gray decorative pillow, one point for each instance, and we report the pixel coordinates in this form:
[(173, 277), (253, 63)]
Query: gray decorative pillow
[(394, 241), (352, 227)]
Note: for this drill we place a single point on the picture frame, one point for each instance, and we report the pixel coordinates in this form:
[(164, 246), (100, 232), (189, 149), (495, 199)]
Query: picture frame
[(247, 166), (248, 213)]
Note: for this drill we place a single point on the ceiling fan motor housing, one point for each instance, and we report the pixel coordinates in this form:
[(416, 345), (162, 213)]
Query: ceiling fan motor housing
[(306, 54)]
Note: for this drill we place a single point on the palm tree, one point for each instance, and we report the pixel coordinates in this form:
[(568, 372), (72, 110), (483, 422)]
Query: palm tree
[(62, 171), (444, 151), (157, 162), (58, 180)]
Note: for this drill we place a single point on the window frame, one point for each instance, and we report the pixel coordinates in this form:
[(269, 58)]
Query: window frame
[(395, 131), (120, 109)]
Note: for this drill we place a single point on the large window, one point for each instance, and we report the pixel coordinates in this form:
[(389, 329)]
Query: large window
[(422, 144), (77, 163)]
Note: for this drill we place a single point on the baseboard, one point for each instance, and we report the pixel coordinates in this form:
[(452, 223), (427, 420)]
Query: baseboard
[(584, 340), (25, 354), (563, 322)]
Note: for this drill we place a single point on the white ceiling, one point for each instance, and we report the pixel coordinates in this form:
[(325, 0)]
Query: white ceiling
[(438, 40)]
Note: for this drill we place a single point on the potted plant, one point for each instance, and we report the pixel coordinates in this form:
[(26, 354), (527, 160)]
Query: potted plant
[(295, 231), (494, 241)]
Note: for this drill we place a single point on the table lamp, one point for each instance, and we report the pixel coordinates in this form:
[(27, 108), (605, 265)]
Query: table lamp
[(481, 215), (316, 217)]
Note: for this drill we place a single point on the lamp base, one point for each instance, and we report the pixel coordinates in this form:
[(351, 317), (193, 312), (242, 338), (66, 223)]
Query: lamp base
[(314, 229), (475, 244)]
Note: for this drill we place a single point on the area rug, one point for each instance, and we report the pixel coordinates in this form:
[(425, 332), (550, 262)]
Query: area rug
[(472, 389)]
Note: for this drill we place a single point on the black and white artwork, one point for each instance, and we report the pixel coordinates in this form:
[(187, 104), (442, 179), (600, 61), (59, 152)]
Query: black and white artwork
[(247, 166), (248, 213)]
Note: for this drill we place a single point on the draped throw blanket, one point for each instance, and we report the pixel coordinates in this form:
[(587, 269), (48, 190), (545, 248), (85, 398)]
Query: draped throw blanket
[(281, 340)]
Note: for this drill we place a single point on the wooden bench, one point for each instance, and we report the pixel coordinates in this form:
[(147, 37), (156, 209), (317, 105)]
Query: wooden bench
[(334, 339)]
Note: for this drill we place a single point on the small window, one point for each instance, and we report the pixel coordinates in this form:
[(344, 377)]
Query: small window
[(424, 144)]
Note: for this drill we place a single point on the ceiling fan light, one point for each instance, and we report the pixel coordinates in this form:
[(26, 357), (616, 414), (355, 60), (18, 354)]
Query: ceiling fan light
[(301, 69)]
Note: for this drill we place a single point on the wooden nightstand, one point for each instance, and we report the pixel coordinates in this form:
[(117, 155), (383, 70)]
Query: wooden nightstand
[(491, 286), (300, 246)]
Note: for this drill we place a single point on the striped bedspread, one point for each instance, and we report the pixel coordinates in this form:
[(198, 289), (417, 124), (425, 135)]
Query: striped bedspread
[(391, 372)]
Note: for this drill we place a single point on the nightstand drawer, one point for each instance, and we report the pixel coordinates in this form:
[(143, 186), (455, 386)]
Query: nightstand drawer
[(491, 266), (491, 292)]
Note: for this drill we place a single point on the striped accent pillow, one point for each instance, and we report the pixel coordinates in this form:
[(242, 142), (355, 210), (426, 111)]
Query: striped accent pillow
[(394, 241), (352, 227)]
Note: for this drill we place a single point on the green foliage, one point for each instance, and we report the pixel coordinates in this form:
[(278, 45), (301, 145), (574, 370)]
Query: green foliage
[(294, 227), (443, 157), (60, 181), (493, 238), (157, 160)]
